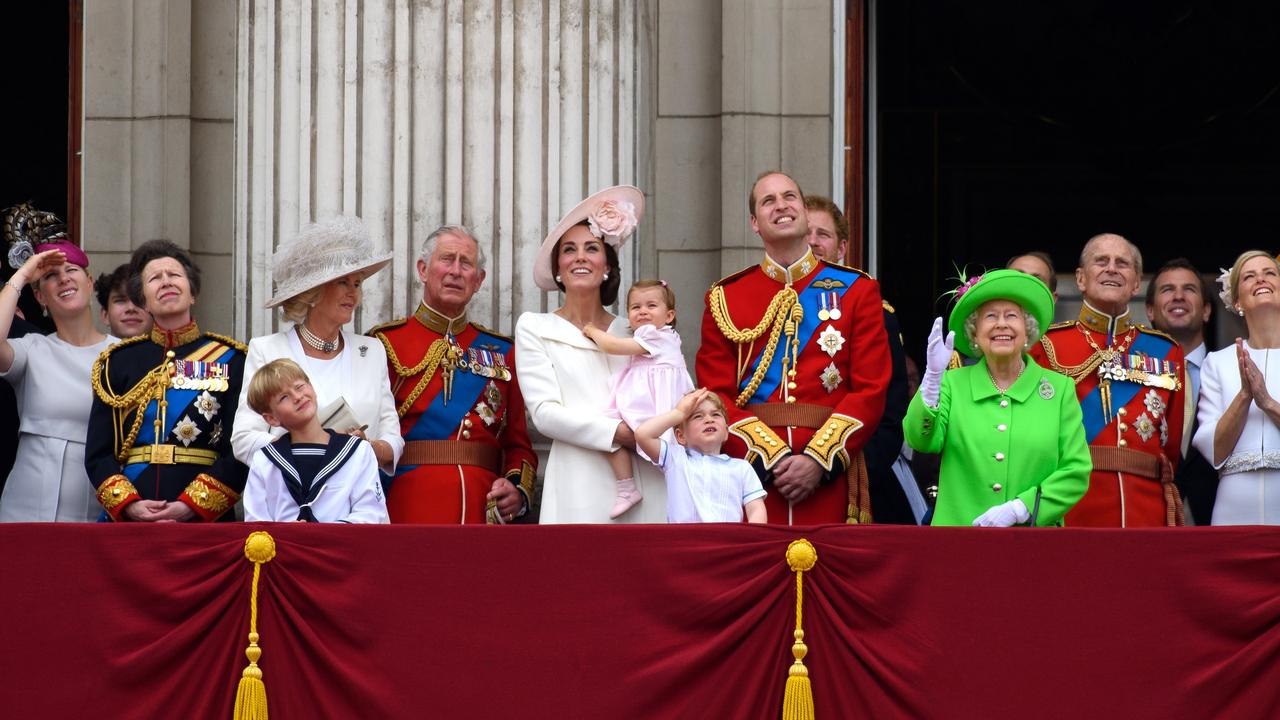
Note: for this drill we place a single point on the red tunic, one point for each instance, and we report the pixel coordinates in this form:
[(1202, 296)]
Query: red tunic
[(841, 370), (1143, 412), (484, 408)]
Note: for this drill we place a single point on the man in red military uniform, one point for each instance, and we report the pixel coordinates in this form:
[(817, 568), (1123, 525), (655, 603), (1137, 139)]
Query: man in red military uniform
[(467, 456), (796, 346), (1131, 384)]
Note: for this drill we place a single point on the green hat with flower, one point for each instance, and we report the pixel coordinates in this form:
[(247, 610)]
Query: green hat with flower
[(1013, 285)]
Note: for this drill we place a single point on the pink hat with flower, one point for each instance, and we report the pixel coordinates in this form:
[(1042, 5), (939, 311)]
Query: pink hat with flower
[(612, 214)]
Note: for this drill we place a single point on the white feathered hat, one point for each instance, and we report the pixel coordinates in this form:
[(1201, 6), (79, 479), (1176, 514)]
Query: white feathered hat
[(321, 252)]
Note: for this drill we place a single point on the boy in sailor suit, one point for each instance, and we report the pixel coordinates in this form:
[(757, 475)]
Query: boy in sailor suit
[(309, 474)]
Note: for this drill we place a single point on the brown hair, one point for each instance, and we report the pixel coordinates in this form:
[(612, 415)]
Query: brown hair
[(1178, 263), (271, 379), (154, 250), (818, 202), (668, 295), (608, 288), (751, 195), (1043, 257)]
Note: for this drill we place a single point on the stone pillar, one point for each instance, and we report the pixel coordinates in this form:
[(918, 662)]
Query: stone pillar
[(498, 114), (158, 80), (742, 86)]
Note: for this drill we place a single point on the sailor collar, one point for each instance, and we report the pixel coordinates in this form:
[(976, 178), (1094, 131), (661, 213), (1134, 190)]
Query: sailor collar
[(789, 275), (169, 339), (435, 320), (1096, 320)]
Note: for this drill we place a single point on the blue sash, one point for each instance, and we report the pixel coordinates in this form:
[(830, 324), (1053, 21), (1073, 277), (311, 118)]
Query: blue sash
[(439, 420), (1121, 392), (179, 402), (810, 300)]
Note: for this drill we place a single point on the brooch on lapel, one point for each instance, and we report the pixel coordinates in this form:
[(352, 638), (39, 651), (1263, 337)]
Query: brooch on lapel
[(1046, 390)]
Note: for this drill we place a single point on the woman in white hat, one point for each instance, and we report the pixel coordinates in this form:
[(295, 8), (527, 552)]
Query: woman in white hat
[(565, 377), (318, 275)]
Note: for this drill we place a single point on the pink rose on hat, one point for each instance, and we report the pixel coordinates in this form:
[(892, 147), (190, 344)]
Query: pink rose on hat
[(613, 221)]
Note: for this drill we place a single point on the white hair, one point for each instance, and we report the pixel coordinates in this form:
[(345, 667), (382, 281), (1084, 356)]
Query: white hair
[(971, 329), (429, 245)]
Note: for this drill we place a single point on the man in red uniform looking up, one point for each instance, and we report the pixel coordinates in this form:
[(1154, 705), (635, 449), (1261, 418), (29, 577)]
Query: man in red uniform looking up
[(796, 347), (467, 457)]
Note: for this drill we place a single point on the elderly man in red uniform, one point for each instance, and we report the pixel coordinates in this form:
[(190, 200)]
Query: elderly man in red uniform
[(1131, 384), (796, 347), (467, 457)]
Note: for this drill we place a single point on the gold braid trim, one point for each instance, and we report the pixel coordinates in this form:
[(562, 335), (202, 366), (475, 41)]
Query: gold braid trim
[(428, 366), (229, 341), (150, 387), (1075, 372), (783, 310)]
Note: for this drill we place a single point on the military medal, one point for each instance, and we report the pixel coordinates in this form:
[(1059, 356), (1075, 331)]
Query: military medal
[(823, 313), (834, 312), (830, 340)]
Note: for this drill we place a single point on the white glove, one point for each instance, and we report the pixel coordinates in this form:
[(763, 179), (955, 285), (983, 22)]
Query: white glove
[(937, 357), (1004, 515)]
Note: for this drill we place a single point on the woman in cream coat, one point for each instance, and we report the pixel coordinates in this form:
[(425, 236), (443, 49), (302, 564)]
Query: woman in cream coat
[(318, 276), (565, 378)]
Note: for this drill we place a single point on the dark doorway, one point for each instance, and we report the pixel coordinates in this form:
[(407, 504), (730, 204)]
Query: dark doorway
[(36, 152), (1008, 125)]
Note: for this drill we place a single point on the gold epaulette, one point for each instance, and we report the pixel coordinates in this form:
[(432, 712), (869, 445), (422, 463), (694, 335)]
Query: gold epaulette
[(729, 278), (842, 266), (492, 332), (387, 326), (1158, 333), (888, 308), (956, 361), (1060, 325), (229, 341)]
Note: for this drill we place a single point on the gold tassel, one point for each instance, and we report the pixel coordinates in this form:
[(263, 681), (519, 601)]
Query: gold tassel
[(251, 695), (797, 700)]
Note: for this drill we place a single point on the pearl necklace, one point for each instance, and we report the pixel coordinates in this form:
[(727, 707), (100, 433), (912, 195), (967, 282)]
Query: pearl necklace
[(1003, 390), (310, 338)]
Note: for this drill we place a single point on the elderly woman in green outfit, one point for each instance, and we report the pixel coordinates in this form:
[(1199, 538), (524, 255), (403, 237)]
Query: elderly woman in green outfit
[(1010, 432)]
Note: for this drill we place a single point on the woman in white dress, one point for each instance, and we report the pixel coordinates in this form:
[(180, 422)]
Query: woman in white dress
[(1238, 413), (49, 374), (565, 377), (318, 275)]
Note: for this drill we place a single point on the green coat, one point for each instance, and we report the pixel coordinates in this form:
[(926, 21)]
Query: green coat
[(999, 447)]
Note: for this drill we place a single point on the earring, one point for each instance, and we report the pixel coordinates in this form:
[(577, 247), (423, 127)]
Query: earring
[(557, 278), (606, 277), (44, 310)]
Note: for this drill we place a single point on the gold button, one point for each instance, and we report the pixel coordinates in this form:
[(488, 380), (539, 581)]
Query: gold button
[(1002, 427), (466, 434), (466, 422), (822, 441), (1122, 443), (773, 443), (997, 487), (999, 457), (760, 431), (1121, 412), (791, 399), (1004, 403), (791, 386), (1122, 427), (116, 492)]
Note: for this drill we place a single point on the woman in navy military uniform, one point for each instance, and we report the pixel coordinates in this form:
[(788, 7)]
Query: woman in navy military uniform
[(159, 444)]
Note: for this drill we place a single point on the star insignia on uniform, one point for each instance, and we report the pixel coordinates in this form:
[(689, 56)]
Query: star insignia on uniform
[(1144, 427), (1164, 431), (830, 340), (186, 431), (771, 272), (207, 405), (831, 378), (493, 395), (486, 413), (804, 268), (1155, 403), (216, 436)]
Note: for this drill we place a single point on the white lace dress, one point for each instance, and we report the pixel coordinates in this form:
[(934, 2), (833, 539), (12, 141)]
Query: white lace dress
[(1249, 486)]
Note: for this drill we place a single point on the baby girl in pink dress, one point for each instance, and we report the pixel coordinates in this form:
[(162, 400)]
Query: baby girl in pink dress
[(654, 379)]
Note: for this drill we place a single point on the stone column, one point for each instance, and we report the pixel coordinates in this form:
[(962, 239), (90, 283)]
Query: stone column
[(498, 114), (158, 82)]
